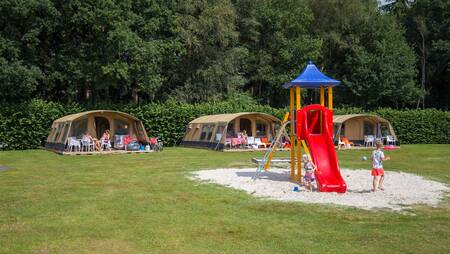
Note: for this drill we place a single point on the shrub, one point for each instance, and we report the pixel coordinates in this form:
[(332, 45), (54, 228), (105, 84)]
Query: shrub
[(429, 126), (26, 125)]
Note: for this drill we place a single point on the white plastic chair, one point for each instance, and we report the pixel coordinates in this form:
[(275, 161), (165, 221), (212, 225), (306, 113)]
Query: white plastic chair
[(251, 143), (227, 142), (87, 144), (73, 144), (369, 139), (390, 140), (106, 144)]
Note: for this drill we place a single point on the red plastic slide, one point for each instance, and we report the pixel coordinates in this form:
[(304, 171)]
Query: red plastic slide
[(314, 124)]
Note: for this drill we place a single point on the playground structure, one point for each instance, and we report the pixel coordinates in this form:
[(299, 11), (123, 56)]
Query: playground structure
[(312, 128)]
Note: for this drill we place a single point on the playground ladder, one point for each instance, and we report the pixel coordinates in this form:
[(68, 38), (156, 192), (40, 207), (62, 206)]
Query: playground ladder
[(264, 164)]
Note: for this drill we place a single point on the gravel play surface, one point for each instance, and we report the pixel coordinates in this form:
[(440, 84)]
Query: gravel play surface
[(401, 189)]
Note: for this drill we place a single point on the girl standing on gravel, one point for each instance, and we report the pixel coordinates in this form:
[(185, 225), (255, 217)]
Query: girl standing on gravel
[(309, 167), (377, 166)]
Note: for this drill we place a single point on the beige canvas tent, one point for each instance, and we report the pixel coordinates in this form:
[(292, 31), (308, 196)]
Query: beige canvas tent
[(95, 122), (211, 131), (356, 126)]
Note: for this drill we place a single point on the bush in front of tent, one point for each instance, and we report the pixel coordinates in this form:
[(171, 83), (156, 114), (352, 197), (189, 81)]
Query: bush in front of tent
[(26, 125), (422, 126)]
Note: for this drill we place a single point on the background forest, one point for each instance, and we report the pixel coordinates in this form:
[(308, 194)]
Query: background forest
[(193, 51)]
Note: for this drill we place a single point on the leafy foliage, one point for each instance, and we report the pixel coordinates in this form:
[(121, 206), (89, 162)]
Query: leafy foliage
[(427, 25), (198, 51), (381, 75)]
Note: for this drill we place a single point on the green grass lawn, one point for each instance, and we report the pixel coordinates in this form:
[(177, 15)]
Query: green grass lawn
[(143, 203)]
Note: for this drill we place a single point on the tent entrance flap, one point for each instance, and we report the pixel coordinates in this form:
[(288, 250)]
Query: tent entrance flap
[(101, 125)]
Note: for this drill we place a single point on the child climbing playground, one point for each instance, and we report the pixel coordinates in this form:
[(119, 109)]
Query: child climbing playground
[(377, 166)]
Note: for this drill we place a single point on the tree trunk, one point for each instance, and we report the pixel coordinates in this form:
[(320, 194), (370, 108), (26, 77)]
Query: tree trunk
[(422, 81), (134, 95), (87, 93)]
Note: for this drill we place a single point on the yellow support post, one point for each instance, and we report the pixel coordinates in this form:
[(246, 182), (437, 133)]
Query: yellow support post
[(292, 137), (299, 152), (322, 96), (330, 98), (322, 103)]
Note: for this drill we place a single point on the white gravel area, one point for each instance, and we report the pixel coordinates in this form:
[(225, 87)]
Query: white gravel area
[(401, 189)]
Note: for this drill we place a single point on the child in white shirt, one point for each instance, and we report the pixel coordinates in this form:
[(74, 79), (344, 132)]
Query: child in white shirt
[(377, 166)]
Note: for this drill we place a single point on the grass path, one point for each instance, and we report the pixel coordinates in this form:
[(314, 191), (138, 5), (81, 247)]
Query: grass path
[(144, 204)]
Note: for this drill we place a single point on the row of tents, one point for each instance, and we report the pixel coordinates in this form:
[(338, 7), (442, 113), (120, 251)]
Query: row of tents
[(211, 131)]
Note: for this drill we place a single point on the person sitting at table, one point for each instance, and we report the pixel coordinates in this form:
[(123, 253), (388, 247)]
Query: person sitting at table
[(88, 138), (105, 140), (97, 144), (244, 137)]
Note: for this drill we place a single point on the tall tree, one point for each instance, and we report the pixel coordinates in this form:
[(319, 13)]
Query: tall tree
[(212, 65), (23, 25), (427, 25), (277, 35), (367, 50), (382, 67)]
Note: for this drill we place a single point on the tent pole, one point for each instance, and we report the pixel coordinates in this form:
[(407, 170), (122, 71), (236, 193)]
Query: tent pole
[(291, 132), (299, 152)]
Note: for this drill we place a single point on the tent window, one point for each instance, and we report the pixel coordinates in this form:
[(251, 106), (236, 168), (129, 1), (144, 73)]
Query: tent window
[(368, 129), (121, 127), (385, 130), (211, 130), (58, 131), (65, 131), (195, 132), (219, 132), (206, 129), (230, 130), (79, 127), (261, 128), (336, 130), (140, 130)]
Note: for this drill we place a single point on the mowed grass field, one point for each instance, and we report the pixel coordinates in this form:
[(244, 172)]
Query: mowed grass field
[(144, 203)]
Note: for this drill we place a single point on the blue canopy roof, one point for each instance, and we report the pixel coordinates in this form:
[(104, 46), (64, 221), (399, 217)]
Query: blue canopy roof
[(311, 77)]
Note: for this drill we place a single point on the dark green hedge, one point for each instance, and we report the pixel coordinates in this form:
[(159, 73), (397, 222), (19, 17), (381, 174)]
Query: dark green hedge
[(26, 125)]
